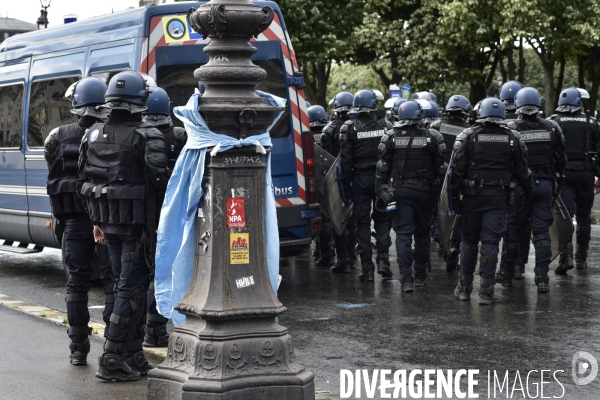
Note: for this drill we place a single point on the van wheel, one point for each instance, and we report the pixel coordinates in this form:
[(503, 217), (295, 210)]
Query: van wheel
[(95, 281)]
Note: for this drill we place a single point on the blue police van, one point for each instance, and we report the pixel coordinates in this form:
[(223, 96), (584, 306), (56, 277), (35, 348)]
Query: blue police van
[(36, 69)]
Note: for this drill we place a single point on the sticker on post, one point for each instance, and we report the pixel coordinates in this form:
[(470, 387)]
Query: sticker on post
[(239, 253), (204, 240), (236, 215), (244, 282)]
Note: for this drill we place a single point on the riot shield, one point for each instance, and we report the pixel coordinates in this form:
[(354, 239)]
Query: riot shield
[(447, 219), (561, 230), (330, 196)]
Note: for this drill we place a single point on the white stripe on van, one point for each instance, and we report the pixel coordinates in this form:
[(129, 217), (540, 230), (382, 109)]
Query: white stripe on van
[(23, 190)]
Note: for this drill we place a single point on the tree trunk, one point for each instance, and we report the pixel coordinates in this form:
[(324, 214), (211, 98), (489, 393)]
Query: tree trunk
[(512, 67), (316, 77), (521, 62), (561, 78), (595, 72), (549, 93), (580, 71)]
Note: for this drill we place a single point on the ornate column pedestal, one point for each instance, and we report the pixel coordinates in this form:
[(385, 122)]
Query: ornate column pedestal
[(230, 346)]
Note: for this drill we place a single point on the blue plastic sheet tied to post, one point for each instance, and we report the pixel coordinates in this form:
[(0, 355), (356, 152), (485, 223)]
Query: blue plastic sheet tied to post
[(176, 230)]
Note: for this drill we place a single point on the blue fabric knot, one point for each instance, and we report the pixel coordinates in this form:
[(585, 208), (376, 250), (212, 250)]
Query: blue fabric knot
[(176, 230)]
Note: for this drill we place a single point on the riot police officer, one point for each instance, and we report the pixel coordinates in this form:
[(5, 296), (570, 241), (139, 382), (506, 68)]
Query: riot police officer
[(507, 95), (485, 159), (157, 114), (345, 244), (546, 158), (411, 163), (123, 162), (399, 101), (582, 141), (61, 150), (317, 117), (359, 138), (451, 125)]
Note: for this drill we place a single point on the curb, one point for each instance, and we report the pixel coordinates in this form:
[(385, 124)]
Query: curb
[(155, 355)]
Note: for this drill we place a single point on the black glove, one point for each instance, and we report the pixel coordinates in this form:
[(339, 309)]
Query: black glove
[(380, 205), (386, 196), (457, 205)]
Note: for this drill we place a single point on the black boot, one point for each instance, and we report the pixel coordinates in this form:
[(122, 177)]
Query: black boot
[(156, 336), (542, 283), (137, 362), (452, 260), (316, 254), (486, 292), (519, 269), (113, 368), (581, 257), (566, 260), (503, 276), (464, 288), (383, 265), (342, 266), (79, 352), (408, 283), (420, 279), (326, 259), (368, 268)]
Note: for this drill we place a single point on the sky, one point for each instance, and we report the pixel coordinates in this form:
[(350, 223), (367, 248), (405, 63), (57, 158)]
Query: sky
[(29, 10)]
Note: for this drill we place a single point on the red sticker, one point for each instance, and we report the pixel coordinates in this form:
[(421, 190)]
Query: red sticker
[(236, 215)]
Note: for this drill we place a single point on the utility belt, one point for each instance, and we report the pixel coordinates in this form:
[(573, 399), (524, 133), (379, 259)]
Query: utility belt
[(476, 187), (582, 162), (424, 185), (117, 205)]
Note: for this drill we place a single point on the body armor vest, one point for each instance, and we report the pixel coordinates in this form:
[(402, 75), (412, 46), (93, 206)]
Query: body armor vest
[(575, 130), (61, 185), (489, 169), (368, 136), (335, 138), (450, 129), (317, 135), (116, 187), (412, 165), (537, 135)]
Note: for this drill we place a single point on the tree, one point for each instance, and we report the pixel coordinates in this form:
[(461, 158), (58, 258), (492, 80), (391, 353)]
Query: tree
[(549, 27), (321, 31)]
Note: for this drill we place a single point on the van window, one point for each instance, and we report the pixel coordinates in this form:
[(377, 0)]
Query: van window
[(11, 115), (48, 108), (179, 83), (106, 76)]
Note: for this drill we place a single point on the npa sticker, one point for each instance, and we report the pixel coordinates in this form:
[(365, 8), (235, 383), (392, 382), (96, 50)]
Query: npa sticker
[(94, 135), (239, 252), (236, 215)]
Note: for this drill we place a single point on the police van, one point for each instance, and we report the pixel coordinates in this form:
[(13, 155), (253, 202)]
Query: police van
[(36, 69)]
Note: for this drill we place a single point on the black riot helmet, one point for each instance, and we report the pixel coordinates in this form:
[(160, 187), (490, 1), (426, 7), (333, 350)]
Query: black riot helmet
[(528, 101), (343, 101), (491, 110), (317, 116), (128, 87), (366, 100), (459, 103), (508, 92), (158, 102), (409, 113), (88, 91)]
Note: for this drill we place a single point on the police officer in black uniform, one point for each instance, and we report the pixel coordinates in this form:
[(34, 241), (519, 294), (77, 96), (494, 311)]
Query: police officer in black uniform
[(451, 125), (317, 117), (123, 162), (345, 244), (582, 141), (158, 114), (61, 150), (359, 139), (410, 165), (546, 158), (485, 159)]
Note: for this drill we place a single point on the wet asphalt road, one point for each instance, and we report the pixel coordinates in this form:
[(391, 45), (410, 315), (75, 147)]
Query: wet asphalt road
[(338, 322)]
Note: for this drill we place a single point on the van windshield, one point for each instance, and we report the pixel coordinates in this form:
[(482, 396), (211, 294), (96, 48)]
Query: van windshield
[(179, 82)]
